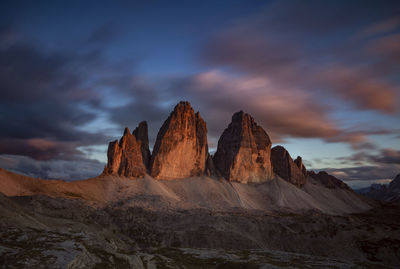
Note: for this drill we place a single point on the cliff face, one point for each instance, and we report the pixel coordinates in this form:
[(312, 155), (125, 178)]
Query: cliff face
[(181, 148), (244, 151), (286, 168), (243, 154), (300, 165), (142, 136), (130, 156)]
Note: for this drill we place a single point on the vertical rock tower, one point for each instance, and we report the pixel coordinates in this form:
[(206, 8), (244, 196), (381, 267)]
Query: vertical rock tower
[(284, 166), (300, 165), (244, 151), (181, 148), (130, 156)]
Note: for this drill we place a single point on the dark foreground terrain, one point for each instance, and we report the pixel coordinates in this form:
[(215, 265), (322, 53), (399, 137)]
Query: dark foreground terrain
[(44, 232)]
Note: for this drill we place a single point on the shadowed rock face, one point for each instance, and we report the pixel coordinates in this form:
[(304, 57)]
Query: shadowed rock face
[(181, 148), (130, 156), (300, 165), (286, 168), (328, 181), (244, 151), (141, 134)]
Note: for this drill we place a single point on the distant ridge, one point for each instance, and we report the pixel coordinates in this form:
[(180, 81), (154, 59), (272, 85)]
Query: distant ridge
[(388, 193)]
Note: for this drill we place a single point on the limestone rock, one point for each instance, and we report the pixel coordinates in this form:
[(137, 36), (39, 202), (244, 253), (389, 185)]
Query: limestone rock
[(130, 156), (300, 165), (141, 134), (181, 148), (244, 150), (286, 168)]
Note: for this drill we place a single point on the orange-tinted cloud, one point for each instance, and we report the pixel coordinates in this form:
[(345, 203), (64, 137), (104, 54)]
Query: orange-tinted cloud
[(318, 53)]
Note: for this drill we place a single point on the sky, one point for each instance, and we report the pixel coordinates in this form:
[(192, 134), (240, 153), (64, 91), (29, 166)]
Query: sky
[(321, 77)]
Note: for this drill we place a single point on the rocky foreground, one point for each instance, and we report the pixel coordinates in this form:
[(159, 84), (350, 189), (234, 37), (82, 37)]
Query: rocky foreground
[(116, 222), (45, 232)]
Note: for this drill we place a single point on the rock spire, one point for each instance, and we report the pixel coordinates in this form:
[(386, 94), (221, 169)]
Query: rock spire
[(130, 156), (181, 148), (244, 150), (286, 168)]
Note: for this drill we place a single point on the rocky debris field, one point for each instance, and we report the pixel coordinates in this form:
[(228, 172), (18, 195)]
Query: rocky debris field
[(44, 232)]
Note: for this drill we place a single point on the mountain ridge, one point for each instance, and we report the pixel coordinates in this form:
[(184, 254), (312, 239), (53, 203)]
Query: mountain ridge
[(243, 153), (244, 173), (190, 193), (127, 218), (388, 193)]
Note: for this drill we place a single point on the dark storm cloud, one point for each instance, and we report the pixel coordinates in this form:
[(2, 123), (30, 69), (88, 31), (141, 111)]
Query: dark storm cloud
[(52, 169), (390, 156), (43, 98), (321, 47), (146, 102)]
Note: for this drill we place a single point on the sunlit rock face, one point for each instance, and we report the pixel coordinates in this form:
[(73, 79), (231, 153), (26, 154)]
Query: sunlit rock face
[(286, 168), (244, 150), (181, 148), (130, 156)]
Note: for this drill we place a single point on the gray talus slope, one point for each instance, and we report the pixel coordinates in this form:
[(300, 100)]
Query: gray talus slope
[(196, 192), (204, 192)]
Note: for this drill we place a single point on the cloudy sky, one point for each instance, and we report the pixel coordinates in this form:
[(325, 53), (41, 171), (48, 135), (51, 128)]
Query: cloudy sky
[(321, 77)]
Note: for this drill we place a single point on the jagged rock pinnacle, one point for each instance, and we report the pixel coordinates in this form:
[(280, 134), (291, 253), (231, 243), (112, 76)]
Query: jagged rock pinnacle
[(244, 150), (181, 148), (130, 156), (286, 168)]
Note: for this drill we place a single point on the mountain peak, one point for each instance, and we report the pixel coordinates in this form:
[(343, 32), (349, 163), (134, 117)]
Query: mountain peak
[(286, 168), (130, 157), (244, 150), (127, 131), (181, 148), (183, 106), (300, 165)]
